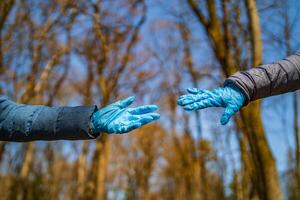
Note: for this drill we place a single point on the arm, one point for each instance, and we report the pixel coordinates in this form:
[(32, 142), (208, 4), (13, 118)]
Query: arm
[(243, 87), (268, 80), (21, 123)]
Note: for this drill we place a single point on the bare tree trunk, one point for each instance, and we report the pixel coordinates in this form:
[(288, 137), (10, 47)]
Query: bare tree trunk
[(27, 164), (27, 161), (297, 136), (5, 8), (2, 151), (247, 190), (107, 84), (82, 171), (38, 97), (254, 27), (188, 62), (287, 31), (103, 146), (82, 165), (263, 158), (266, 181), (101, 160)]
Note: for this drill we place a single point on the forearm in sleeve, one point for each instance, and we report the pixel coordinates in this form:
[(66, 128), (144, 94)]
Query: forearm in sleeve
[(23, 123), (268, 80)]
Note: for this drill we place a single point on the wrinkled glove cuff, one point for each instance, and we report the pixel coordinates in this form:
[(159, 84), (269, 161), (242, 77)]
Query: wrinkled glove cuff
[(93, 129), (235, 87)]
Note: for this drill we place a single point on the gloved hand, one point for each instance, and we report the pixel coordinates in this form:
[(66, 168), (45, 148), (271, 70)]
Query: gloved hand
[(230, 97), (117, 118)]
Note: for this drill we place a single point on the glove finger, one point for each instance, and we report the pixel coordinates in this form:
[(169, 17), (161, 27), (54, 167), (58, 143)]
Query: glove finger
[(194, 91), (147, 118), (188, 99), (132, 118), (202, 104), (130, 127), (228, 113), (125, 102), (184, 96), (143, 109), (155, 116)]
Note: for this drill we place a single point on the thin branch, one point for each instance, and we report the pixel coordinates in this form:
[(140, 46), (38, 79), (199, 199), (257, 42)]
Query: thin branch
[(193, 5)]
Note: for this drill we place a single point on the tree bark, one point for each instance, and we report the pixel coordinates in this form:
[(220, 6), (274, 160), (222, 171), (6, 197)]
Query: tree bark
[(265, 176), (103, 146), (2, 151), (27, 164), (254, 27), (37, 92), (5, 8), (247, 190), (297, 136), (106, 86), (266, 181), (82, 167)]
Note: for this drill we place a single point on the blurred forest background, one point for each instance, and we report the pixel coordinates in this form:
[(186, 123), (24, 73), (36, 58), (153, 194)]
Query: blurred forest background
[(72, 52)]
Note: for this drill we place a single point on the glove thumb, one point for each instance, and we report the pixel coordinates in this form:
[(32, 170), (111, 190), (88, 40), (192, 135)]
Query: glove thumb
[(228, 113), (126, 102), (194, 90)]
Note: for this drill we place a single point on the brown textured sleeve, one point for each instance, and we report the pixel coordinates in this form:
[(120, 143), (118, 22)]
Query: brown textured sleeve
[(267, 80)]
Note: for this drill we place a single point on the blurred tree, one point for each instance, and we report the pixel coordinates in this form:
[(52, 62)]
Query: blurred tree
[(70, 52), (223, 42), (5, 9), (106, 41), (287, 40)]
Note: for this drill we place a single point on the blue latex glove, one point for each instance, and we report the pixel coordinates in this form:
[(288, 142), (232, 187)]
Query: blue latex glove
[(117, 118), (229, 97)]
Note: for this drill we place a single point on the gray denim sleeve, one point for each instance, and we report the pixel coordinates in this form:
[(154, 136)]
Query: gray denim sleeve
[(267, 80), (22, 123)]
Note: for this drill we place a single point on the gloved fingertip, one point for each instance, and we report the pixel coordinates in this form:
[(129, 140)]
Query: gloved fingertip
[(193, 90), (127, 101), (155, 116), (228, 113), (179, 102), (153, 107), (131, 98), (181, 97), (188, 108), (225, 119)]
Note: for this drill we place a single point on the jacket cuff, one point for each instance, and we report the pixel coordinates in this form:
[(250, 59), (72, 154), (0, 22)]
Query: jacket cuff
[(74, 122)]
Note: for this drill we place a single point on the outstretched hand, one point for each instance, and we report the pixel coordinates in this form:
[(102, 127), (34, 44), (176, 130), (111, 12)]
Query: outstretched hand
[(117, 118), (229, 97)]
